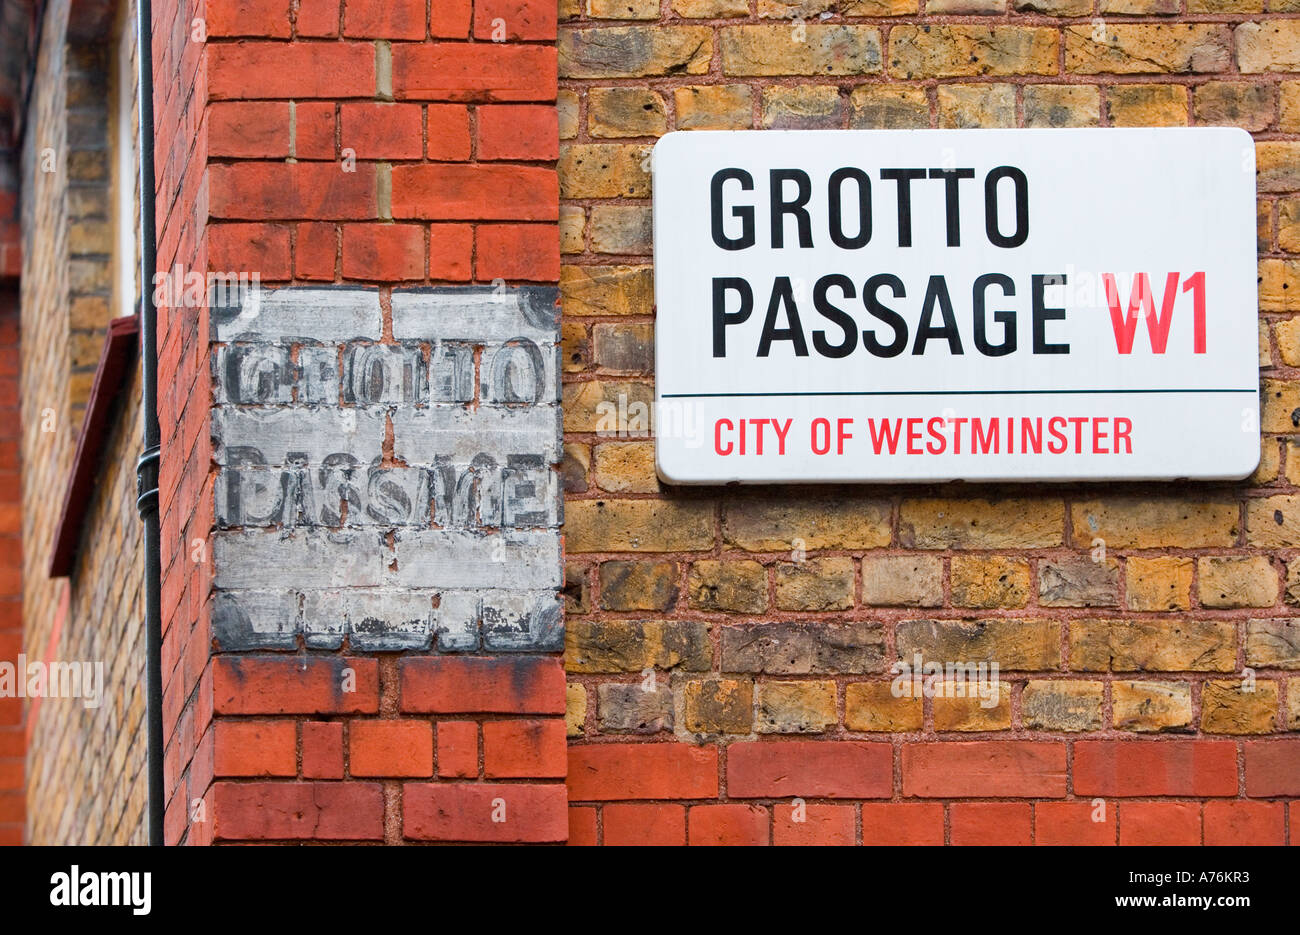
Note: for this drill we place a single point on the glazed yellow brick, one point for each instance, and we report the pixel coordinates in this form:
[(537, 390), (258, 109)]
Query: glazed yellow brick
[(988, 581), (1160, 583), (575, 709), (634, 51), (976, 105), (872, 706), (981, 524), (1236, 707), (1151, 707), (881, 107), (1237, 582), (714, 107), (613, 113), (1268, 47), (604, 170), (626, 467), (795, 707), (962, 51), (1062, 105), (1147, 105), (1139, 523), (1136, 49), (637, 526), (800, 50), (973, 712)]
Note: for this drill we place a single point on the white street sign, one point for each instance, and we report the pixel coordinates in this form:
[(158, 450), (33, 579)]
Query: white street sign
[(922, 305)]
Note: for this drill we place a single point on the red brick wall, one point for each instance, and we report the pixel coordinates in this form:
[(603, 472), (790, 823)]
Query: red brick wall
[(367, 143), (12, 747)]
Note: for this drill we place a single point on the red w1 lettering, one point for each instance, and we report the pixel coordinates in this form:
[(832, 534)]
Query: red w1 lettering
[(1124, 323)]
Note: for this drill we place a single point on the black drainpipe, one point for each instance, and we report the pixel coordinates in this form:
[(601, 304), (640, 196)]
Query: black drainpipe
[(146, 469)]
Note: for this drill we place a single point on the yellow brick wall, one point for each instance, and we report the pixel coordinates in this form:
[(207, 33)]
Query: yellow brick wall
[(679, 592)]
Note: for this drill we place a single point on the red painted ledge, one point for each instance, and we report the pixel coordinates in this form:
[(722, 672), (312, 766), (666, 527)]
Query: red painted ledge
[(114, 364)]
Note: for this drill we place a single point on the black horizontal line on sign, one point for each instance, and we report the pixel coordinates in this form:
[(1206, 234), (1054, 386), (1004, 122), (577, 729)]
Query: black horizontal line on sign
[(945, 393)]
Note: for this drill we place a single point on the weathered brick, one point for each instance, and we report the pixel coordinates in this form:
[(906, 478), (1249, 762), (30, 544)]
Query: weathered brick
[(718, 705), (1151, 706), (880, 107), (795, 707), (815, 584), (524, 749), (1078, 583), (295, 811), (533, 812), (625, 347), (802, 108), (988, 581), (1244, 104), (607, 290), (609, 409), (1161, 582), (981, 524), (1279, 285), (1228, 708), (504, 684), (958, 51), (1061, 105), (1027, 645), (638, 585), (1176, 645), (626, 467), (802, 50), (769, 524), (902, 581), (630, 708), (1136, 523), (622, 646), (613, 113), (1268, 47), (1133, 49), (621, 229), (1237, 582), (604, 170), (638, 525), (873, 706), (738, 586), (255, 748), (814, 648), (1061, 705), (1273, 644), (635, 51), (575, 709), (714, 107), (966, 706), (1275, 166), (976, 105), (1147, 105)]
